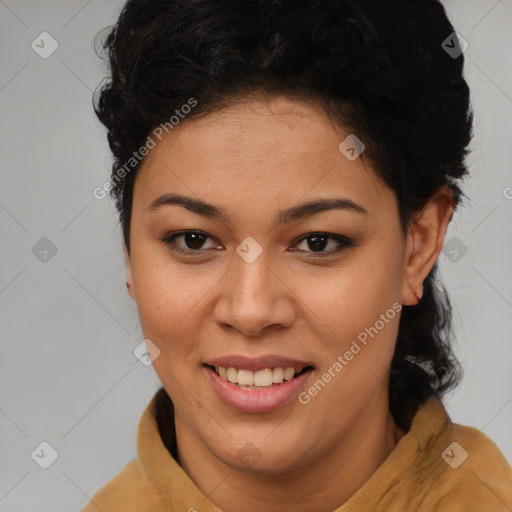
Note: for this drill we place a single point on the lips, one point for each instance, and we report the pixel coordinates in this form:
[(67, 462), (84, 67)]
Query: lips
[(257, 385)]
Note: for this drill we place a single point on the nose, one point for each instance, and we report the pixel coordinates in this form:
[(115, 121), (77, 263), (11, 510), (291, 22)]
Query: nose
[(255, 298)]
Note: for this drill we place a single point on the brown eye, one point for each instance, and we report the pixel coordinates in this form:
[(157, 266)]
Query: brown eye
[(317, 242), (192, 241)]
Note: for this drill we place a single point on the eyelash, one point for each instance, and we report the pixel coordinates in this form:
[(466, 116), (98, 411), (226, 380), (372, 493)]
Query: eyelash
[(343, 241)]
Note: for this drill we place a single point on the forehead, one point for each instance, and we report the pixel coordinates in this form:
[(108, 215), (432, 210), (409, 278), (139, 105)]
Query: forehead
[(258, 153)]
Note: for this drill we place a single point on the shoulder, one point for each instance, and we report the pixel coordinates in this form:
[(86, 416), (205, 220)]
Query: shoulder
[(446, 467), (130, 491), (477, 475)]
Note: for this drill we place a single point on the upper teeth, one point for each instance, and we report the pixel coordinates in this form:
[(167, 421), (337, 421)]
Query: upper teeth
[(265, 377)]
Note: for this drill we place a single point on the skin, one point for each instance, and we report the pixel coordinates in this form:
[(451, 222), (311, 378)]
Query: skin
[(253, 159)]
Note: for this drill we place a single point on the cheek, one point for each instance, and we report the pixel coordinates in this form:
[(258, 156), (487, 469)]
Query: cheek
[(360, 305), (161, 298), (162, 291), (352, 297), (172, 302)]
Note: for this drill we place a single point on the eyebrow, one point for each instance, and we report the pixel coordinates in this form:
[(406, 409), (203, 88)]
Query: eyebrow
[(300, 211)]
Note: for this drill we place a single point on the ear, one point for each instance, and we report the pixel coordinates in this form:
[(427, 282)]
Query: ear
[(424, 243), (129, 280)]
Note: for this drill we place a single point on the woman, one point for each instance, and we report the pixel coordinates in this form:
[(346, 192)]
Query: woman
[(285, 173)]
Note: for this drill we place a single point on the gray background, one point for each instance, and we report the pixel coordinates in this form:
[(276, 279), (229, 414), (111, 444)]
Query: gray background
[(68, 374)]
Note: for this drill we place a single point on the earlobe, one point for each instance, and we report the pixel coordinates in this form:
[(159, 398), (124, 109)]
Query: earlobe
[(425, 240), (129, 280)]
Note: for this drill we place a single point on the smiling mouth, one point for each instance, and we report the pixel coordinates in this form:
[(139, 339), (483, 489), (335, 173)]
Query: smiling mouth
[(260, 379)]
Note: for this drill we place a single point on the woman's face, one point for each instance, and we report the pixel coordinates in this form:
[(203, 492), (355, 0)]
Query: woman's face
[(256, 290)]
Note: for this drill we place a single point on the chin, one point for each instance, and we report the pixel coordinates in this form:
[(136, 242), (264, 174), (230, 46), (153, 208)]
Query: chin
[(260, 456)]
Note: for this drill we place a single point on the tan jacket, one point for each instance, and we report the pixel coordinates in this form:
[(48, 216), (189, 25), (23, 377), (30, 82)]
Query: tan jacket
[(437, 466)]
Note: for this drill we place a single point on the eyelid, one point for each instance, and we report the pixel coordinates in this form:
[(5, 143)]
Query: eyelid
[(169, 238), (343, 241)]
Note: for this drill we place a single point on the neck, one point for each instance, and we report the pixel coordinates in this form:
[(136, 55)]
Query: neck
[(323, 484)]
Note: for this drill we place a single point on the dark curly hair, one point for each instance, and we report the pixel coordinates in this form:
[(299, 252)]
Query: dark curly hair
[(376, 67)]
